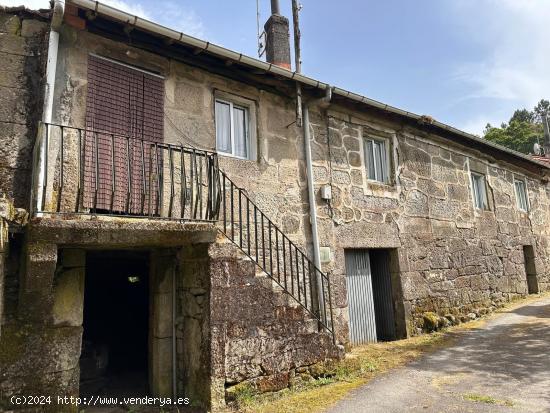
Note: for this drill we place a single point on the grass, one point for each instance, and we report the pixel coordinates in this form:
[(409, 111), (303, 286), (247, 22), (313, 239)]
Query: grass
[(481, 398), (360, 366)]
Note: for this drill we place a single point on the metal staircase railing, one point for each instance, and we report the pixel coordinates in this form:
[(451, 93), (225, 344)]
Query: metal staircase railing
[(89, 172), (244, 224)]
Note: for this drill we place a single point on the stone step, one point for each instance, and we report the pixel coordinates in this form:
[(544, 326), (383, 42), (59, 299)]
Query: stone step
[(288, 308)]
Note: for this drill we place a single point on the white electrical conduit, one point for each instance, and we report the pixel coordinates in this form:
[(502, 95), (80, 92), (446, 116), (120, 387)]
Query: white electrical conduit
[(323, 102)]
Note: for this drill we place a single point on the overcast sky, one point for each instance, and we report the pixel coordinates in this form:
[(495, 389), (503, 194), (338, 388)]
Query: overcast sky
[(463, 62)]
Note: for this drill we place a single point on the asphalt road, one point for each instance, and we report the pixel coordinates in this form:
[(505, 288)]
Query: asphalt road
[(503, 366)]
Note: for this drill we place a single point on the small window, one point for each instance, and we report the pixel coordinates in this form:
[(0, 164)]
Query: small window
[(232, 136), (376, 158), (521, 195), (479, 189)]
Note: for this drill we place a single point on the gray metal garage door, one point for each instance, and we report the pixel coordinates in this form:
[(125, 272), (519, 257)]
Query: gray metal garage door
[(362, 322)]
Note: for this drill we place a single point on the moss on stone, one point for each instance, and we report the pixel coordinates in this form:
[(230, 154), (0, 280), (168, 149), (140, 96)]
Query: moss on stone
[(12, 344), (13, 26), (431, 321), (241, 393)]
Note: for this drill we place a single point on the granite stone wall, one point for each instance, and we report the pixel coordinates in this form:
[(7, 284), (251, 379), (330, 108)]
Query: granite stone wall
[(23, 41), (260, 337), (454, 260)]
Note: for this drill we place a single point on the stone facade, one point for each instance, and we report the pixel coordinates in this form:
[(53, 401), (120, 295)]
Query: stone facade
[(453, 259), (233, 324), (23, 36)]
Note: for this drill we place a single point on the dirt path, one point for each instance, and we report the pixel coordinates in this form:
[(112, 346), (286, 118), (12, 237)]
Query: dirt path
[(503, 366)]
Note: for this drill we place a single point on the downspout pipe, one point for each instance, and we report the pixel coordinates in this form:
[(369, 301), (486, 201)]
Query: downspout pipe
[(51, 67), (58, 12), (323, 103)]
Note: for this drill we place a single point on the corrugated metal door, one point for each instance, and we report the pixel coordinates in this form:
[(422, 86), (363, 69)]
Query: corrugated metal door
[(362, 321), (382, 294), (122, 102)]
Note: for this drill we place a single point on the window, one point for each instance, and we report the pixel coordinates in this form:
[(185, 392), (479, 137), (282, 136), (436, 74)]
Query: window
[(232, 129), (479, 189), (376, 158), (521, 195)]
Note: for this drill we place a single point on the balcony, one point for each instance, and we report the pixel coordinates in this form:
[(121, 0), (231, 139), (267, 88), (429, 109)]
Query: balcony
[(88, 172), (83, 172)]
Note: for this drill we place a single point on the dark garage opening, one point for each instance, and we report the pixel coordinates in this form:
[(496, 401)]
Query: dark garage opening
[(530, 269), (114, 358), (382, 295)]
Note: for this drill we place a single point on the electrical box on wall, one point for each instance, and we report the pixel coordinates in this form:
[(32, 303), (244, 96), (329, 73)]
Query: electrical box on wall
[(326, 192), (325, 254)]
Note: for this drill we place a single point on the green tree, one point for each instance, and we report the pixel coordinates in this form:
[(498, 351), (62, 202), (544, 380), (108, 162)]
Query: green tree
[(523, 130), (522, 115), (542, 108)]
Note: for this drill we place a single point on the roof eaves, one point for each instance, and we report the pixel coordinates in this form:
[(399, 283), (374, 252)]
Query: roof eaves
[(228, 54)]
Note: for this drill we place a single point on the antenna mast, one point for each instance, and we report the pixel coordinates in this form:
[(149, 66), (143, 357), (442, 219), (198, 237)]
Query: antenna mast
[(297, 58), (261, 35)]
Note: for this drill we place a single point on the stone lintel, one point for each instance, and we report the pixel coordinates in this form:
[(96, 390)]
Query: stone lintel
[(120, 232)]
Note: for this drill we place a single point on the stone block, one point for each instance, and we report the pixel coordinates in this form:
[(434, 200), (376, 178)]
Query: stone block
[(335, 138), (68, 297), (33, 28), (431, 188), (416, 226), (416, 204), (444, 228), (13, 69), (414, 286), (341, 178), (160, 375), (40, 360), (355, 159), (352, 143), (416, 161), (443, 171), (458, 192), (17, 46), (40, 266), (10, 24), (162, 315), (14, 105)]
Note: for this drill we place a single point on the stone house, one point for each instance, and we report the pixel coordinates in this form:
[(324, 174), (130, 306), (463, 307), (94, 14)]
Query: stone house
[(168, 214)]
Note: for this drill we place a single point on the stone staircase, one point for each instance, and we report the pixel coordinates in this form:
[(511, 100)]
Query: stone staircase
[(268, 333), (280, 260)]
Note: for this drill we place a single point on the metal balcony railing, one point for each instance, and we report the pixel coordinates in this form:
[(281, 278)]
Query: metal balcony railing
[(83, 171), (90, 172)]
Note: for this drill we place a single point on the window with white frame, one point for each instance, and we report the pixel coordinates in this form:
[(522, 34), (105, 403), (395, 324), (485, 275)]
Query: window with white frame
[(232, 129), (377, 159), (521, 195), (479, 189)]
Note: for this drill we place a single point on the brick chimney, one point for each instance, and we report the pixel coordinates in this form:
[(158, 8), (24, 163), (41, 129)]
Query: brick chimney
[(277, 49)]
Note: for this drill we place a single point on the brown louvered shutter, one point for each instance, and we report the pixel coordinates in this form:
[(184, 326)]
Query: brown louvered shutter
[(125, 111)]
